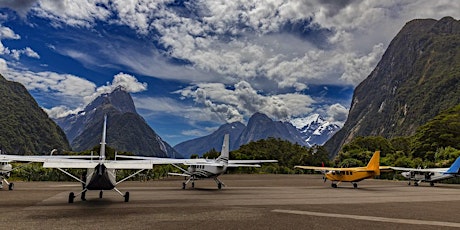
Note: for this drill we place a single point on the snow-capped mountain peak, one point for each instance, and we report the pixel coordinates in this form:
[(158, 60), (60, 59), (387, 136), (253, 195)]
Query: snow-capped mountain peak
[(315, 129)]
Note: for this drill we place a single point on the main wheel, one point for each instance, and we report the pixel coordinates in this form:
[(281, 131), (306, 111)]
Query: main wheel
[(83, 196), (334, 185), (431, 184), (71, 197), (100, 194), (219, 185), (126, 196), (11, 186), (415, 183), (183, 185), (193, 184), (355, 185)]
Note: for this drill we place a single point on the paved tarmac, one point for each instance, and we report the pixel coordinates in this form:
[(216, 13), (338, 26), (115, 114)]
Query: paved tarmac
[(247, 202)]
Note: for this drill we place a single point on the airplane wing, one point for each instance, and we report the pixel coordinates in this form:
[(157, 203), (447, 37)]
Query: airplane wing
[(251, 161), (419, 169), (323, 169), (159, 160)]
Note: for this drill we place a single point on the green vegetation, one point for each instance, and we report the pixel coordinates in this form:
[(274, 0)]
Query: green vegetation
[(25, 127)]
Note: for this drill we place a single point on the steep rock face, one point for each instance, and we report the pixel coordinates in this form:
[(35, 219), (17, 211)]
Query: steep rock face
[(126, 130), (25, 127), (417, 77)]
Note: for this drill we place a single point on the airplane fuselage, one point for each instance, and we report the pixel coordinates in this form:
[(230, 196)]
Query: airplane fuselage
[(206, 171), (348, 176), (426, 176), (100, 178)]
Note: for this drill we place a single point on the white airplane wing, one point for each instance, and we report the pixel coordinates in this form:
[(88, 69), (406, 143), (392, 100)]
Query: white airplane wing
[(250, 161), (243, 165), (419, 169)]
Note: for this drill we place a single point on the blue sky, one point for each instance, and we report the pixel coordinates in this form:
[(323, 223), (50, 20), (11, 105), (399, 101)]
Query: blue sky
[(193, 65)]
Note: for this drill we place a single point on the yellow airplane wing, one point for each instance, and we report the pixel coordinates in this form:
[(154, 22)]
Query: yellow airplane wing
[(318, 168)]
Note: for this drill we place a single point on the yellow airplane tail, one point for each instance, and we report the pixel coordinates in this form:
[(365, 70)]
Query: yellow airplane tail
[(374, 163)]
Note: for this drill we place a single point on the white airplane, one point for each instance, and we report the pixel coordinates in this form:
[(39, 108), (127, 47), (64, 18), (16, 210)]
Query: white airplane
[(100, 174), (208, 168), (214, 168), (429, 174)]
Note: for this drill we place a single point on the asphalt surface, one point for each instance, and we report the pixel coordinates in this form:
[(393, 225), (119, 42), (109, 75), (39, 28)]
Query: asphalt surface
[(247, 202)]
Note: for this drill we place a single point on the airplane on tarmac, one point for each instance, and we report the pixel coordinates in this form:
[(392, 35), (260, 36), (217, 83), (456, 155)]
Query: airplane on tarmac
[(210, 168), (429, 174), (353, 175), (100, 174)]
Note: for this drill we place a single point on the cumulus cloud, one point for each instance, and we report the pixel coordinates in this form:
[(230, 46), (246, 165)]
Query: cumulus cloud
[(71, 92), (337, 113), (8, 33), (242, 100)]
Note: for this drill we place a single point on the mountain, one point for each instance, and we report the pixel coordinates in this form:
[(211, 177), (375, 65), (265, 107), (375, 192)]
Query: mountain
[(314, 129), (417, 78), (126, 130), (213, 141), (259, 126), (25, 127)]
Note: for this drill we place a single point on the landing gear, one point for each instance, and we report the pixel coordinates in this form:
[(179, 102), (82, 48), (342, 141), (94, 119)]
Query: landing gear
[(355, 185), (416, 183), (71, 197), (126, 196), (219, 185), (100, 194), (431, 184), (83, 196), (183, 185), (193, 184), (11, 186), (334, 185)]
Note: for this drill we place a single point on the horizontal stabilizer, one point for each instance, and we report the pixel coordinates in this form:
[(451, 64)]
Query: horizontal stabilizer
[(178, 174), (243, 165), (70, 164), (128, 165)]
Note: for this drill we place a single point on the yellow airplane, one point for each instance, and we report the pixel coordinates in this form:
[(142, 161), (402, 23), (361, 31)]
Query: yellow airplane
[(353, 175)]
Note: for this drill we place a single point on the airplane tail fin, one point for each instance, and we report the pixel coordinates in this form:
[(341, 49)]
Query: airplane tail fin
[(455, 167), (225, 153), (374, 163), (104, 134)]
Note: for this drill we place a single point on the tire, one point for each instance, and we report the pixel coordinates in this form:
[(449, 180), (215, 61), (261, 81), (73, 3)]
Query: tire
[(183, 185), (11, 186), (126, 196), (71, 197), (83, 196), (355, 185), (219, 185), (100, 194)]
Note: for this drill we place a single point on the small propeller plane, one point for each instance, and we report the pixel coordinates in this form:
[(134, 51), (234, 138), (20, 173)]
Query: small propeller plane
[(100, 174), (430, 175), (209, 168), (353, 175)]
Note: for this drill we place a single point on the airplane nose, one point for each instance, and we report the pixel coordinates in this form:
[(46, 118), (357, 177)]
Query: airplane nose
[(405, 174)]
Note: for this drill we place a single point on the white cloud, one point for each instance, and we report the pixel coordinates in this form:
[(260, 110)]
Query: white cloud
[(337, 113), (71, 92), (241, 100), (8, 33)]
